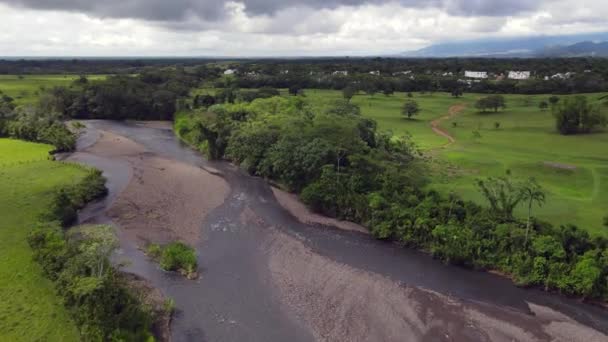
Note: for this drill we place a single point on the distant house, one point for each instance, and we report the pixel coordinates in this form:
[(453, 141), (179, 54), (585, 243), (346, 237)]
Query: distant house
[(284, 72), (560, 76), (229, 72), (402, 73), (251, 73), (447, 74), (375, 72), (340, 73), (476, 74), (519, 75)]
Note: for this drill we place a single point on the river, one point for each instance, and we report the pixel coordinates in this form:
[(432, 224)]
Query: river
[(236, 299)]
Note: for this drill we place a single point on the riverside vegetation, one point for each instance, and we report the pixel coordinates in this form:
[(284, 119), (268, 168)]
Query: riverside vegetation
[(342, 166)]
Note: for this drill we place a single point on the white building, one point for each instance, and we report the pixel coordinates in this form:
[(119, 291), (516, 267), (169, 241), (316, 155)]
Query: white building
[(402, 73), (560, 76), (447, 74), (230, 72), (476, 74), (519, 75), (375, 72), (340, 73)]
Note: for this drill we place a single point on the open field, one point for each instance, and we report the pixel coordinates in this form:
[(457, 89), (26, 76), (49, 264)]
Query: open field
[(30, 310), (573, 169), (25, 89)]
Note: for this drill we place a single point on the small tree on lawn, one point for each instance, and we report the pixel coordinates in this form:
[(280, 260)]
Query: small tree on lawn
[(348, 92), (502, 194), (410, 108), (553, 100), (531, 193), (457, 92), (543, 105)]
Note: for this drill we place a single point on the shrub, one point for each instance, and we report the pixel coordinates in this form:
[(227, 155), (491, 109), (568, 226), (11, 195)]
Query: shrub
[(178, 256)]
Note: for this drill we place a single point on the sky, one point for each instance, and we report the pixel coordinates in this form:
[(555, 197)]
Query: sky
[(277, 27)]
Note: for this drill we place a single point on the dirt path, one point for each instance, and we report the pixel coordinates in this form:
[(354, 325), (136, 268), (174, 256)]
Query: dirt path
[(436, 124)]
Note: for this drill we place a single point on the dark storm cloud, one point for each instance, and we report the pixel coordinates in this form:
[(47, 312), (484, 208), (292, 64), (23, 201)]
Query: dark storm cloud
[(213, 10)]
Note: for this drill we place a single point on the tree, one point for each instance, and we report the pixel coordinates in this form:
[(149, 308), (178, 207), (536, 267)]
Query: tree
[(531, 192), (575, 115), (410, 108), (409, 94), (97, 246), (295, 90), (553, 100), (491, 102), (348, 92), (502, 194), (457, 92), (543, 105)]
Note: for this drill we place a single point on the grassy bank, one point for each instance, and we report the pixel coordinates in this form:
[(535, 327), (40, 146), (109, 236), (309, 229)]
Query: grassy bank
[(26, 89), (31, 310)]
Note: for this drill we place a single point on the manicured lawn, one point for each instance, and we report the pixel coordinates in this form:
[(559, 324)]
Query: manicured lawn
[(30, 309), (25, 89)]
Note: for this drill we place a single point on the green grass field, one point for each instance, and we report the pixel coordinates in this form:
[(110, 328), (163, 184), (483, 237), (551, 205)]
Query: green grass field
[(25, 89), (29, 310), (572, 169)]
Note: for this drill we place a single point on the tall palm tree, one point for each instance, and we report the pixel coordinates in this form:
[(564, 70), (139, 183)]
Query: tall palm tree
[(531, 192)]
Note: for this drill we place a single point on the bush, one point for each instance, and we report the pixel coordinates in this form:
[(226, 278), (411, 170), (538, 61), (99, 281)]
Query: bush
[(67, 201), (177, 256)]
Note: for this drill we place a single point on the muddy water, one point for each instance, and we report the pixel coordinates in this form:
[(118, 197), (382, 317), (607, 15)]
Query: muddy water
[(235, 301)]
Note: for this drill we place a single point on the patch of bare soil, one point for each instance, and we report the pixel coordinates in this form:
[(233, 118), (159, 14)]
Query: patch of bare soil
[(340, 303), (299, 210), (560, 166), (165, 200)]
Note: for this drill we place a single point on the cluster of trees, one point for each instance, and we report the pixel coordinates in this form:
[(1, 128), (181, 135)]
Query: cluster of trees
[(34, 123), (494, 102), (232, 95), (576, 115), (342, 166), (151, 95), (96, 294)]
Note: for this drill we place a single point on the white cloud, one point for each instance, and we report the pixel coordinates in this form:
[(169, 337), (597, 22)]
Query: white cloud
[(374, 28)]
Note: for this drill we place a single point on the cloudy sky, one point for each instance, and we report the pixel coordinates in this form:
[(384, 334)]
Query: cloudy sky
[(277, 27)]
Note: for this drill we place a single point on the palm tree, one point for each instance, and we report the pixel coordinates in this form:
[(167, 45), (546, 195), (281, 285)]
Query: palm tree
[(531, 192)]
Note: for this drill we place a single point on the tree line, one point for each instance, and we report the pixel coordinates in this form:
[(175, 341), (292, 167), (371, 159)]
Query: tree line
[(99, 298)]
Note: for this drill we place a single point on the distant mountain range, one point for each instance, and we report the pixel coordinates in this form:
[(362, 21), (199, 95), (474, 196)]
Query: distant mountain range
[(594, 44)]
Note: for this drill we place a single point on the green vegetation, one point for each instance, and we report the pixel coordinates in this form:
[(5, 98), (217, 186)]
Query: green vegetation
[(26, 89), (575, 115), (175, 256), (521, 139), (572, 169), (494, 102), (31, 310)]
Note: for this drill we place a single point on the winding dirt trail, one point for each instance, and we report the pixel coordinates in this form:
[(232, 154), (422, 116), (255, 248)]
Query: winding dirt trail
[(436, 124)]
